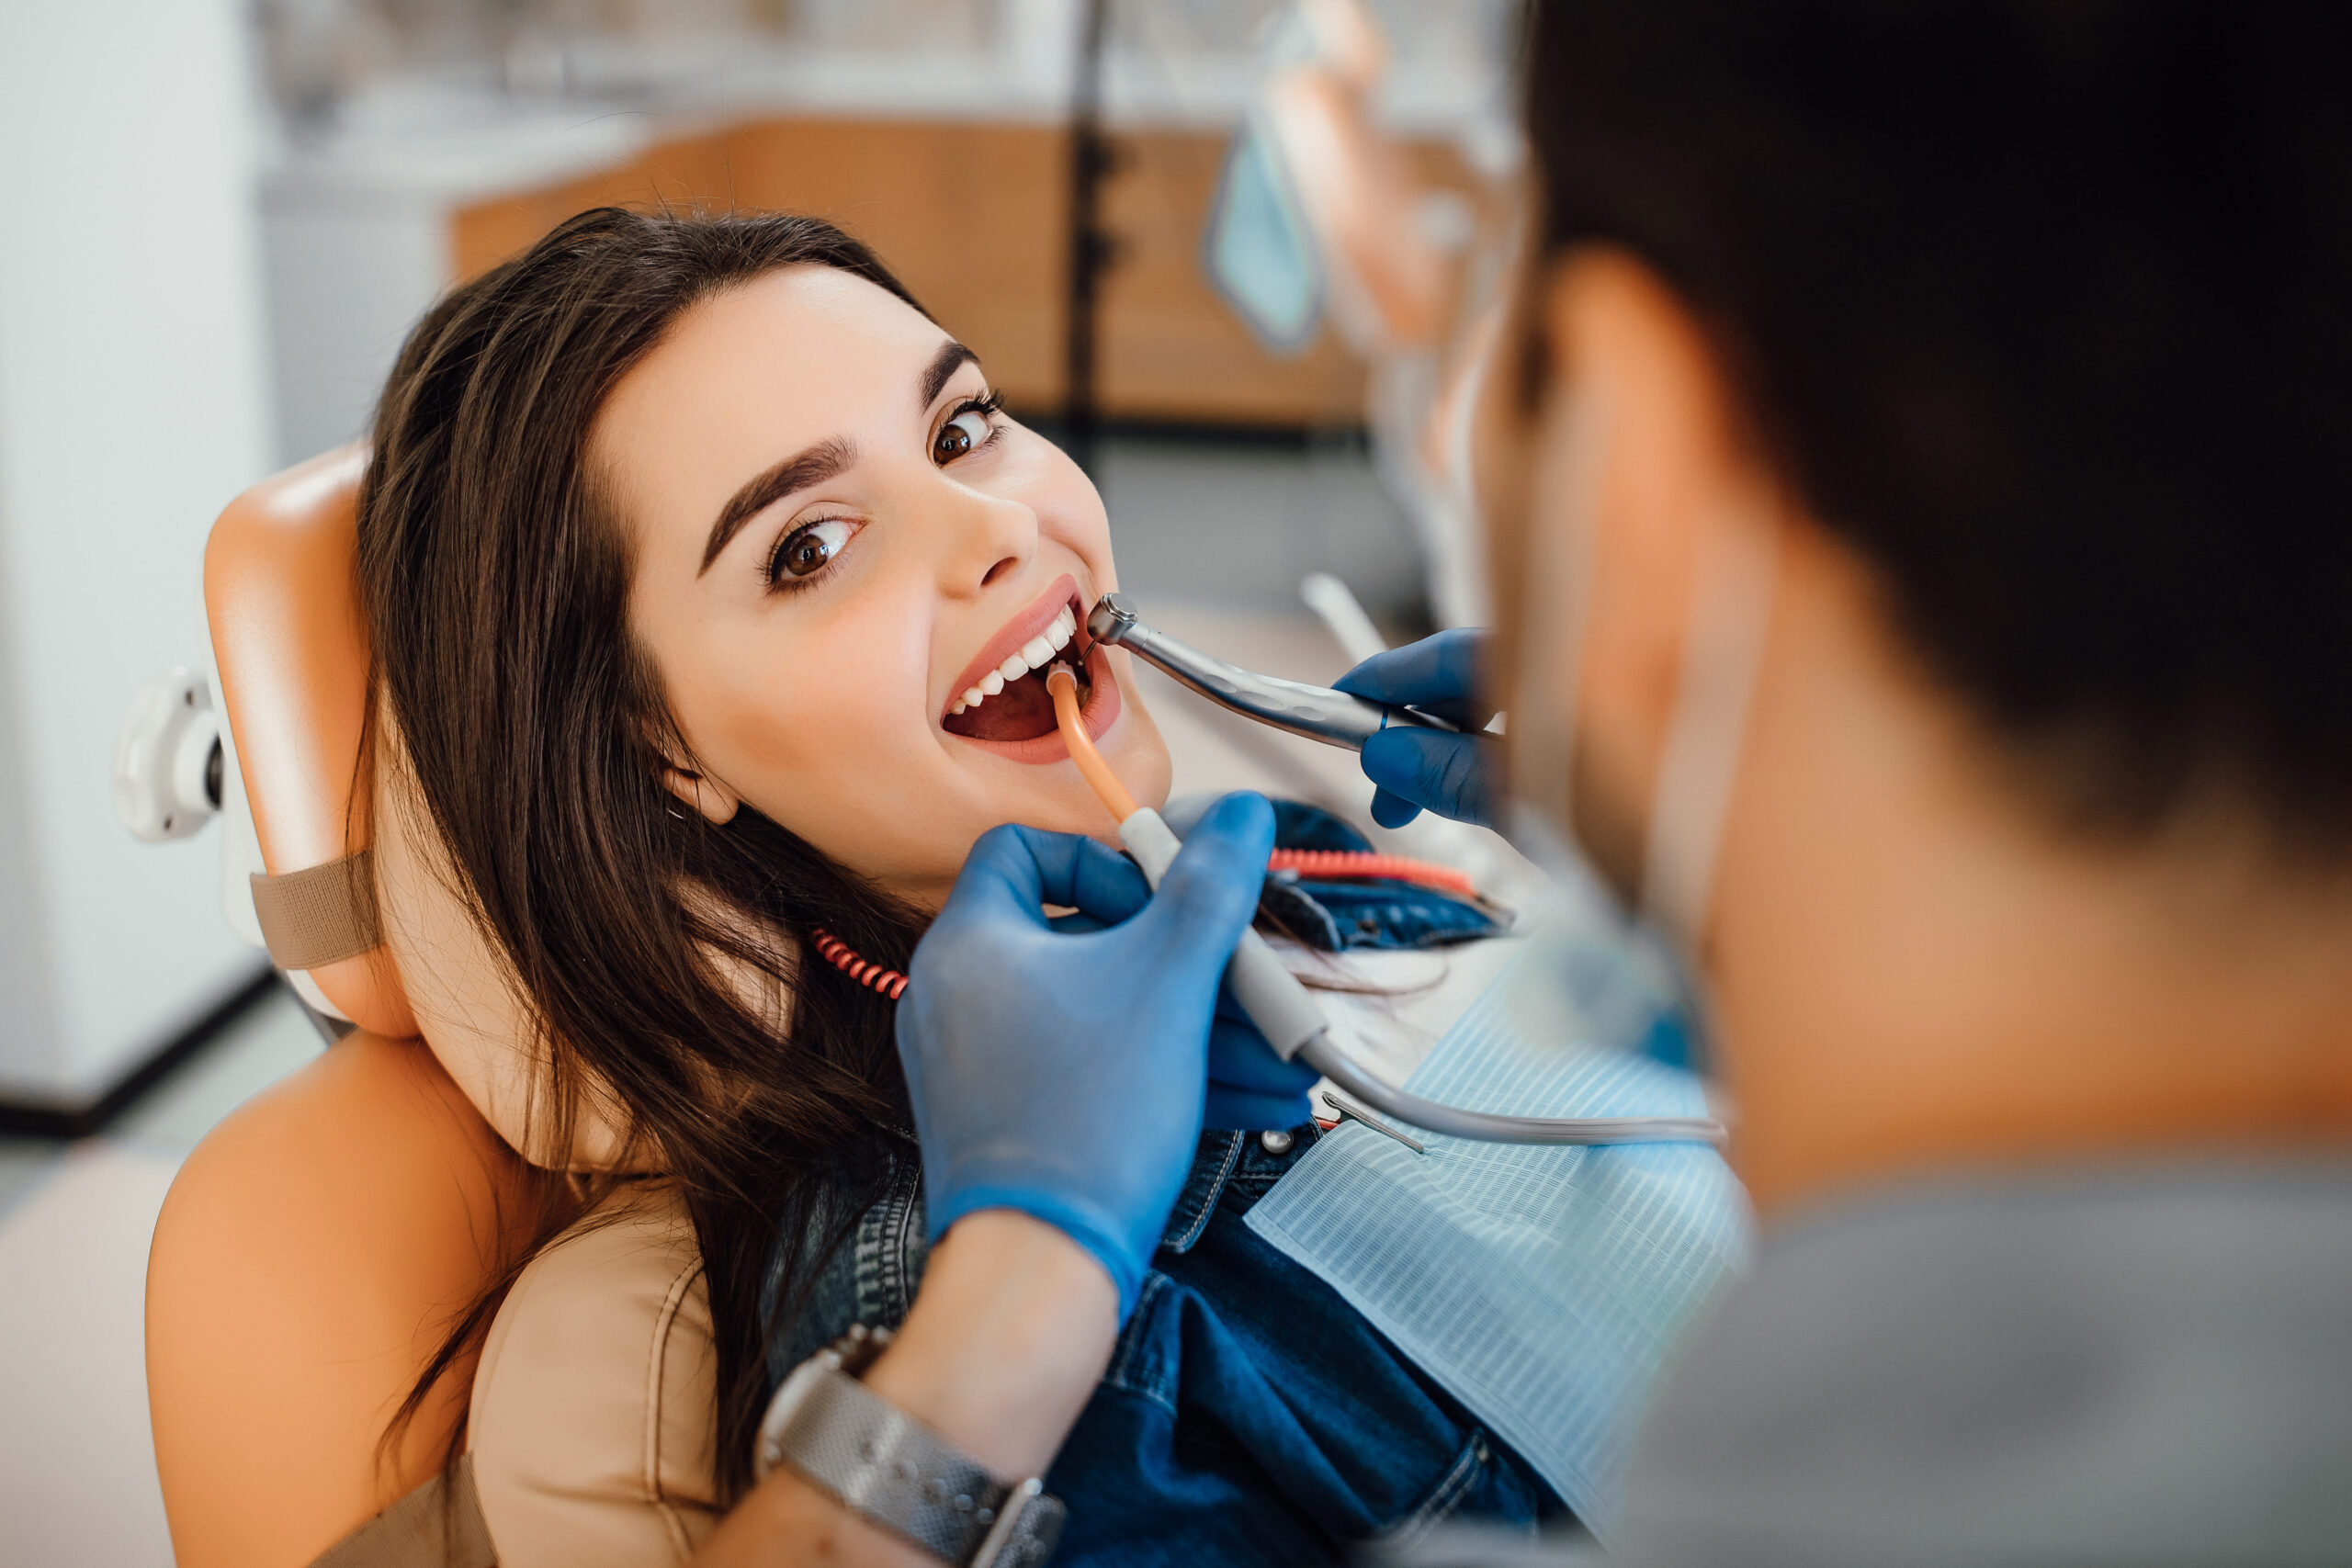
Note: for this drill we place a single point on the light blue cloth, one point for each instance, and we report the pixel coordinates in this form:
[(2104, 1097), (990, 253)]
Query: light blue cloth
[(1543, 1287), (1257, 250)]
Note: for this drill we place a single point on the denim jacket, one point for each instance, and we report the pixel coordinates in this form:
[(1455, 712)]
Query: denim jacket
[(1249, 1415), (1334, 914)]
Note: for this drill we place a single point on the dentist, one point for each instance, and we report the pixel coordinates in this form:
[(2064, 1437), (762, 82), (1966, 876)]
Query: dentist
[(1922, 533)]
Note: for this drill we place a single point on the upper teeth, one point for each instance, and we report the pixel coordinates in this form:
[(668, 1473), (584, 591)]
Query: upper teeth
[(1034, 654)]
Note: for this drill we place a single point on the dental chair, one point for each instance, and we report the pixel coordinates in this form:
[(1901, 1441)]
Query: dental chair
[(318, 1245)]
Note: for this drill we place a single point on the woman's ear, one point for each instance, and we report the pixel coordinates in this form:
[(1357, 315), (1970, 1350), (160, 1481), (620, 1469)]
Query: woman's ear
[(717, 803)]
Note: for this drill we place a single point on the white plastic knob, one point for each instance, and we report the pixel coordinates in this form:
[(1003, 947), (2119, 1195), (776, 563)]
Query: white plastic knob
[(167, 759)]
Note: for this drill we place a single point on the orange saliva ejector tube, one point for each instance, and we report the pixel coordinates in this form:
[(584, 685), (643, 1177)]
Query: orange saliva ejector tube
[(1091, 765)]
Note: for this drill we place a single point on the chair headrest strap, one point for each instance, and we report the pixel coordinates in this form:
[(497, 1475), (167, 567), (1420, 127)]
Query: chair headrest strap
[(320, 914)]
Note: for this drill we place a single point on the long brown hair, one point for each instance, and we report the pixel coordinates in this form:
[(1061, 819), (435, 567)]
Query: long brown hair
[(495, 577)]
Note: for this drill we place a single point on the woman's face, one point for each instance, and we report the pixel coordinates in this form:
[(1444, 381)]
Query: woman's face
[(837, 541)]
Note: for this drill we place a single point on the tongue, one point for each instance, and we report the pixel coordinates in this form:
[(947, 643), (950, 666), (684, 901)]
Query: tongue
[(1023, 711)]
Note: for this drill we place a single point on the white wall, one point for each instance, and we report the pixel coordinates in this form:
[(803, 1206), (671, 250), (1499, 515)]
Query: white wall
[(349, 277), (133, 404)]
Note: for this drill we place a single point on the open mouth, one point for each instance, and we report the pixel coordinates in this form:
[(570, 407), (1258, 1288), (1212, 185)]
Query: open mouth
[(1003, 699)]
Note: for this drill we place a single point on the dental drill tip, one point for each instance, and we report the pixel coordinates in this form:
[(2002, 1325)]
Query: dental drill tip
[(1110, 619)]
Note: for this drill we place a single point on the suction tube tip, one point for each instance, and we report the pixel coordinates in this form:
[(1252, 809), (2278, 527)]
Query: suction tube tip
[(1110, 619)]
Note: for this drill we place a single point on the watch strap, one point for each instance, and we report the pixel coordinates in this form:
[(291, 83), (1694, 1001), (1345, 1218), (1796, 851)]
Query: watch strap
[(889, 1467)]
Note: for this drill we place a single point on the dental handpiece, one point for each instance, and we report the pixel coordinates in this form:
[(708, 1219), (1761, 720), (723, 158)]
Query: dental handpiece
[(1335, 718)]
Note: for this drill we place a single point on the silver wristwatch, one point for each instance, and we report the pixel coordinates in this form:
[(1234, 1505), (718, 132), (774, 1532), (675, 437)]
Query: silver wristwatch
[(883, 1464)]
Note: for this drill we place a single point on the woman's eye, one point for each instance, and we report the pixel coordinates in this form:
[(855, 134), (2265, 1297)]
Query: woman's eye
[(806, 551), (958, 435)]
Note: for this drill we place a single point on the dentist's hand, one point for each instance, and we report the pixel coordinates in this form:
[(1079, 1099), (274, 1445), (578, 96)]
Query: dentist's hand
[(1062, 1073), (1450, 774), (1249, 1087)]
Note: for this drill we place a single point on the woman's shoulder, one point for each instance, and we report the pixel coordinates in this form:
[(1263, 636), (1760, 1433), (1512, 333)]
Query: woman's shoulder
[(592, 1419), (312, 1251)]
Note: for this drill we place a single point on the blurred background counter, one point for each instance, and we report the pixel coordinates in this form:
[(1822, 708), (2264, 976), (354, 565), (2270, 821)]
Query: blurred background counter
[(938, 131)]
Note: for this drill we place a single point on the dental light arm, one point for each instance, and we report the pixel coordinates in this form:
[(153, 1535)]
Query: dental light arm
[(1287, 1013), (1335, 718)]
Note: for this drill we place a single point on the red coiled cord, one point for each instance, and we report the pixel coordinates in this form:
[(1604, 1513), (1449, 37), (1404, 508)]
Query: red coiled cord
[(1365, 865), (886, 983), (1336, 864)]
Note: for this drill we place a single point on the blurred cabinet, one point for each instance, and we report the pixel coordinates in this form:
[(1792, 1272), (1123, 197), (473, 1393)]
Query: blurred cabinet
[(973, 216)]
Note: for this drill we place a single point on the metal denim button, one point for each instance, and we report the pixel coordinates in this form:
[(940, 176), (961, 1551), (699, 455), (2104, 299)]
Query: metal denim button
[(1274, 1141)]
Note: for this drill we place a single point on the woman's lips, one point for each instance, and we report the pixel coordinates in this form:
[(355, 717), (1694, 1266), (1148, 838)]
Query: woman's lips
[(1022, 629), (1099, 714)]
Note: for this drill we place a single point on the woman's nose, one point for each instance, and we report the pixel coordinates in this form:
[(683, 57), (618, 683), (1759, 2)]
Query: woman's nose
[(994, 537)]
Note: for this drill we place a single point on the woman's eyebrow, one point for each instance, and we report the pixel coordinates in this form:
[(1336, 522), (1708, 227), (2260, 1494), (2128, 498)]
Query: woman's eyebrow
[(811, 466), (952, 357)]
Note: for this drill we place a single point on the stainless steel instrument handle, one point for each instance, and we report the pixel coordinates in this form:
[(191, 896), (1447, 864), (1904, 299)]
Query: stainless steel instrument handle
[(1315, 712)]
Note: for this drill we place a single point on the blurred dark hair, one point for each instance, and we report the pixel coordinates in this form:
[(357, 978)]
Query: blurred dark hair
[(2046, 309), (495, 577)]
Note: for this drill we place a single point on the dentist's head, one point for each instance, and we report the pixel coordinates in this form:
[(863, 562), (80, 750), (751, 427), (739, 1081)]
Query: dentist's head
[(1919, 491)]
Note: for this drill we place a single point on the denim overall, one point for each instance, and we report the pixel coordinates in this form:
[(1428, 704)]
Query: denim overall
[(1249, 1415)]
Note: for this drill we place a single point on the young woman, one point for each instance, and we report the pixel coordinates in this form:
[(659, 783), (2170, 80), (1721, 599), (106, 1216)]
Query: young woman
[(711, 591)]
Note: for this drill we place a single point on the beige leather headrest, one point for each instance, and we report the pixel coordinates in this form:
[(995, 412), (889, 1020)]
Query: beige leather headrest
[(358, 894)]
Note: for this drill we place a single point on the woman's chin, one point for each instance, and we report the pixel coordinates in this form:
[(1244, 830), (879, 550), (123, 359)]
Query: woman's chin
[(1149, 776), (1135, 753), (1064, 805), (1060, 801)]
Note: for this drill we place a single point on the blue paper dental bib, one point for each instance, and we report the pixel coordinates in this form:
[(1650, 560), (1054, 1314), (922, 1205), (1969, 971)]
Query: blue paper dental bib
[(1541, 1287)]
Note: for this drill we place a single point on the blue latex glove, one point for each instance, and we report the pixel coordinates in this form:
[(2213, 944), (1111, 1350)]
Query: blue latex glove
[(1451, 774), (1062, 1073), (1249, 1087)]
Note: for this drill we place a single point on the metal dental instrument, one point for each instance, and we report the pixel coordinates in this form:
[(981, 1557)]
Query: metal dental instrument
[(1317, 713), (1283, 1011), (1349, 1110)]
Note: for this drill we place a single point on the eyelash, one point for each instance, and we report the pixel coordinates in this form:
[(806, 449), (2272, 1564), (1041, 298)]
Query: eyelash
[(779, 580), (772, 571), (988, 405)]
